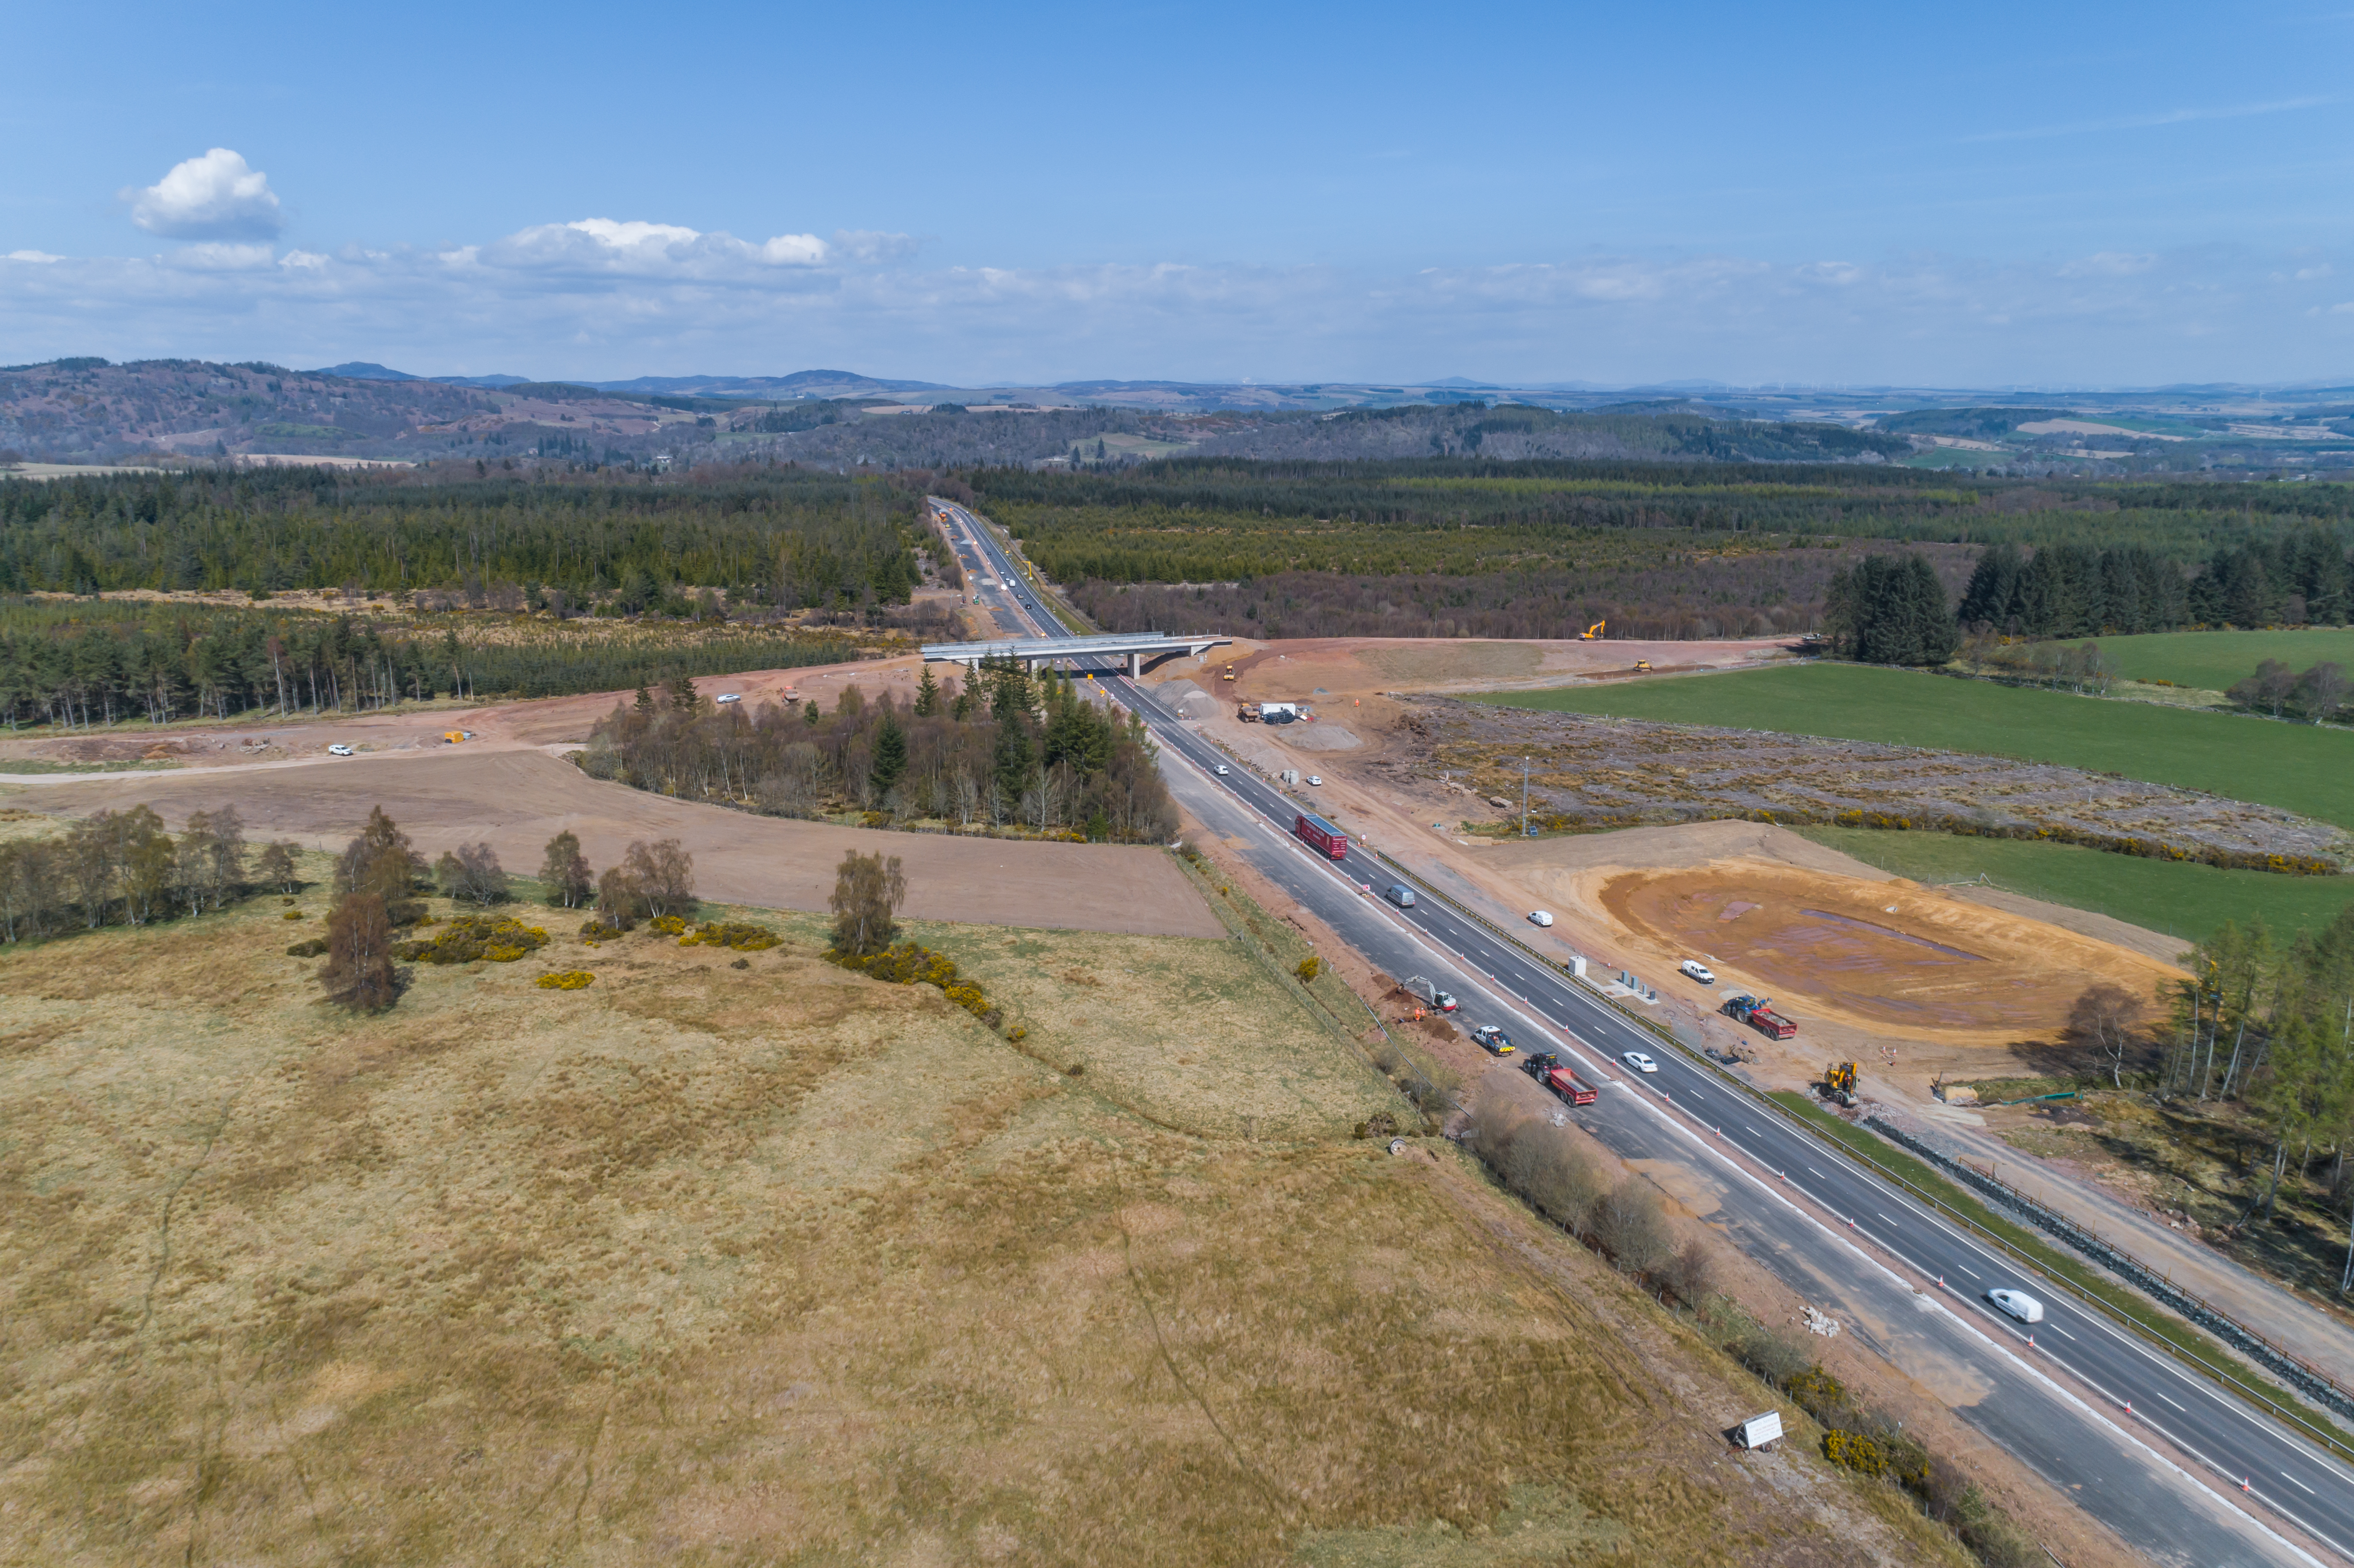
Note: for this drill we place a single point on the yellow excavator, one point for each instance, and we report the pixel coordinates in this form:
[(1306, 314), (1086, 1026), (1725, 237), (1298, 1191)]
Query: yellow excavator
[(1839, 1083), (1592, 632)]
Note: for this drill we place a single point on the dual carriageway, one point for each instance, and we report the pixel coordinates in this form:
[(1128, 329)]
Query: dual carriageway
[(2179, 1470)]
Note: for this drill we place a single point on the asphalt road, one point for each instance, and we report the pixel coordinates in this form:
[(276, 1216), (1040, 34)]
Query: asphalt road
[(2181, 1471)]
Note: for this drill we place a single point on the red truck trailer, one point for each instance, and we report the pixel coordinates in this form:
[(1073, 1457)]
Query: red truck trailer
[(1546, 1068), (1326, 838), (1759, 1014)]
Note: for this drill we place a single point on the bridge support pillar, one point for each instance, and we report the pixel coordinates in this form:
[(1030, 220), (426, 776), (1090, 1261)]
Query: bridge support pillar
[(1134, 665)]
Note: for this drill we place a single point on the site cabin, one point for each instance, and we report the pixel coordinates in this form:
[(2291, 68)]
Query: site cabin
[(1323, 835)]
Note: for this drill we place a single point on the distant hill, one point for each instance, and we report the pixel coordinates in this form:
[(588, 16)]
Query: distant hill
[(800, 384), (367, 370)]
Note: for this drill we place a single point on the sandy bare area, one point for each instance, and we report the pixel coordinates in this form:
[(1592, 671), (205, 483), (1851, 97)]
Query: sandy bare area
[(517, 800)]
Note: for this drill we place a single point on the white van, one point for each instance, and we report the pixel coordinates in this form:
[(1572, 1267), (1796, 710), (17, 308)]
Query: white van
[(1400, 894)]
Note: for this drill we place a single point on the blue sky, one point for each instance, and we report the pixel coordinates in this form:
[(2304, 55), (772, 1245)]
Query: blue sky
[(1997, 195)]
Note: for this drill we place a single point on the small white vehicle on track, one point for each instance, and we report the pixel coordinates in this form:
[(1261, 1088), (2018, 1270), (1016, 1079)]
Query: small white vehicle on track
[(1698, 970), (1540, 918), (339, 750), (1639, 1061)]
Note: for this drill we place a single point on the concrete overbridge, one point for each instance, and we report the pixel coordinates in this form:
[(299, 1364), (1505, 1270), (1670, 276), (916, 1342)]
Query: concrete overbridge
[(1132, 647)]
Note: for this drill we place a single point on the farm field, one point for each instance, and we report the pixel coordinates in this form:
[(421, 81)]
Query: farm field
[(2213, 660), (2186, 901), (2299, 768), (702, 1264)]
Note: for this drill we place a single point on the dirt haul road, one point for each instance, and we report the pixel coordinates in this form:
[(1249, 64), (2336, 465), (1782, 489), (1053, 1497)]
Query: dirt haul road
[(517, 800)]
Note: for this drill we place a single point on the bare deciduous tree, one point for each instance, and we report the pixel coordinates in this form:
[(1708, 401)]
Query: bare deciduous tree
[(868, 889)]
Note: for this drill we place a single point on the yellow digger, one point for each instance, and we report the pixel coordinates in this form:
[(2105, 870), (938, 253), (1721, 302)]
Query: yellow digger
[(1839, 1083), (1592, 632)]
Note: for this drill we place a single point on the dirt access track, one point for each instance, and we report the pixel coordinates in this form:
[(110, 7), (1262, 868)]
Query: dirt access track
[(507, 789)]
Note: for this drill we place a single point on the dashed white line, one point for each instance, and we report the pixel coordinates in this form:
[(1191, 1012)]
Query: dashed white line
[(2300, 1486), (1971, 1272), (2062, 1333), (1751, 1130), (1816, 1174), (2185, 1409), (1884, 1216)]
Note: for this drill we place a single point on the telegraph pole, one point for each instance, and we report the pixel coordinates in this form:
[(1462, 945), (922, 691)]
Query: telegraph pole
[(1524, 797)]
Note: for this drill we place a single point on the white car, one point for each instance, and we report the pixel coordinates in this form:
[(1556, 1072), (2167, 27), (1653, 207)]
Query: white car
[(1222, 770), (1698, 970), (728, 697), (1540, 918), (1316, 781), (2018, 1304), (1637, 1061), (339, 750)]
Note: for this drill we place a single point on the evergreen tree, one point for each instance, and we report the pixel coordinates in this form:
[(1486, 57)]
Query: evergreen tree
[(890, 756)]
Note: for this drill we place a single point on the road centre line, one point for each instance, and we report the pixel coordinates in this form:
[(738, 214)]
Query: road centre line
[(2300, 1486)]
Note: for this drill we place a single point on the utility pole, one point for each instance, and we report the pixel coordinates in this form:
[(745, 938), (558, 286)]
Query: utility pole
[(1524, 797)]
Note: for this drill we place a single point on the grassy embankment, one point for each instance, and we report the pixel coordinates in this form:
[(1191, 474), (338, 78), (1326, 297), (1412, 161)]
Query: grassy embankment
[(2213, 660), (2296, 766), (700, 1262)]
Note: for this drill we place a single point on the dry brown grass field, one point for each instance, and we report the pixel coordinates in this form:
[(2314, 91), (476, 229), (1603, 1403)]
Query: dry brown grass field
[(779, 1264)]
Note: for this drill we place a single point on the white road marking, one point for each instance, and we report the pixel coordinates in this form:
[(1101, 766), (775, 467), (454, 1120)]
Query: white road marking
[(1818, 1175), (1972, 1273), (2300, 1486), (1884, 1216), (1751, 1130), (2062, 1333), (2185, 1409)]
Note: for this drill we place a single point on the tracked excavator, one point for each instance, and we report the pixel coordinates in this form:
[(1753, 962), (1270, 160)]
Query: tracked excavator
[(1593, 631)]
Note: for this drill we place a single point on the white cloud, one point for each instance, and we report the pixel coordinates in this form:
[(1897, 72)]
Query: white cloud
[(40, 256), (216, 257), (2108, 264), (215, 196), (601, 245), (603, 298)]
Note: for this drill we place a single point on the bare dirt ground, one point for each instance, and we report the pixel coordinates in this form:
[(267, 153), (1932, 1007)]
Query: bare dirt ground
[(1887, 955), (517, 800)]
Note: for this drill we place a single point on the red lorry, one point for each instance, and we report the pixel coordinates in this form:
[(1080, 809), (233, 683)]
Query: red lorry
[(1546, 1069), (1759, 1014), (1326, 838)]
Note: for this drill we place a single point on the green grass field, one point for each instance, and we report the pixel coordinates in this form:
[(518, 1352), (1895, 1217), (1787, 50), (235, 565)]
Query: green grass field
[(2298, 768), (2186, 901), (2213, 660)]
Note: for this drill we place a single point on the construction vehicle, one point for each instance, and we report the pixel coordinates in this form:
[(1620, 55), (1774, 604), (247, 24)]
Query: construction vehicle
[(454, 736), (1642, 666), (1420, 986), (1496, 1042), (1229, 674), (1593, 631), (1323, 835), (1757, 1012), (1248, 712), (1839, 1083), (1546, 1068)]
